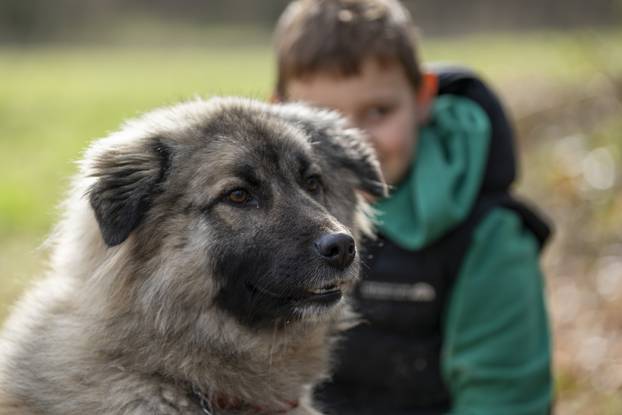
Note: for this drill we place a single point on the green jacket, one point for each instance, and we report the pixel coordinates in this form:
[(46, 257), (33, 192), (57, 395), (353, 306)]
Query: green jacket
[(496, 357)]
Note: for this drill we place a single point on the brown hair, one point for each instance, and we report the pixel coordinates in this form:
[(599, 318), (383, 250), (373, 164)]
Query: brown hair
[(336, 36)]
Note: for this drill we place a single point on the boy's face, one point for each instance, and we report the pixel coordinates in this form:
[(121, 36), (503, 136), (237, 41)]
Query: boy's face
[(379, 100)]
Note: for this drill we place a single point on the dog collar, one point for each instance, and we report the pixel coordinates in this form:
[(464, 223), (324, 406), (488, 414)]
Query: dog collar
[(222, 402)]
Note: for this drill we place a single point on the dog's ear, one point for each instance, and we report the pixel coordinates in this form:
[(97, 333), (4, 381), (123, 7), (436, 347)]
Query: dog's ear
[(127, 178), (350, 149), (341, 145)]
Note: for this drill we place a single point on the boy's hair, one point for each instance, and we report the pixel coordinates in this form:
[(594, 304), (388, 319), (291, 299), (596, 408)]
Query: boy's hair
[(337, 36)]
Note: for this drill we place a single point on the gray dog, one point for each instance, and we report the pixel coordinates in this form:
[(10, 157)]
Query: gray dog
[(200, 267)]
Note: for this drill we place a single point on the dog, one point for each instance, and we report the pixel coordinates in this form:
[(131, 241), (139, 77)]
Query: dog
[(202, 266)]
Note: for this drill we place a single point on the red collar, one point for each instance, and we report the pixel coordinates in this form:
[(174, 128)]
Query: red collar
[(223, 402)]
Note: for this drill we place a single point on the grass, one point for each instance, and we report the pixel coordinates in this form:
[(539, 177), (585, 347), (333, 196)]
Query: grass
[(54, 101), (567, 57)]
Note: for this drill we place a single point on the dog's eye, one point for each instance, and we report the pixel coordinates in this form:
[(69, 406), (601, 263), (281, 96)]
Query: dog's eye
[(313, 184), (239, 197)]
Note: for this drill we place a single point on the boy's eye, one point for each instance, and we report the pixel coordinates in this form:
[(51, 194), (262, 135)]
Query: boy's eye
[(378, 112)]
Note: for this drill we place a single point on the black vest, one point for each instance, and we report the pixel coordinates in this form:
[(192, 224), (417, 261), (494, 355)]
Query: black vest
[(390, 364)]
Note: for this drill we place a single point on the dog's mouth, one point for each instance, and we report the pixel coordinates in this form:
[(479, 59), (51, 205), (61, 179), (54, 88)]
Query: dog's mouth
[(327, 294)]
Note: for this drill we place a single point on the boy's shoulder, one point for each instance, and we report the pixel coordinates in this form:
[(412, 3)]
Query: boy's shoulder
[(513, 209), (496, 226)]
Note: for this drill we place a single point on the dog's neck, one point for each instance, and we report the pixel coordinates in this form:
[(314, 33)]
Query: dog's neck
[(277, 369), (262, 369)]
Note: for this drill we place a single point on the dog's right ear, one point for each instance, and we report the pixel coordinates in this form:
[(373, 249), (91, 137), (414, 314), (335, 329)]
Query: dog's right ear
[(126, 181), (349, 148), (338, 143)]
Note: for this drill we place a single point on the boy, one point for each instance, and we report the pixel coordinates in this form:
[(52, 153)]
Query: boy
[(453, 308)]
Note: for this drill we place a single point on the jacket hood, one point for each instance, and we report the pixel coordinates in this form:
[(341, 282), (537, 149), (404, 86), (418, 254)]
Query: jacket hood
[(445, 178)]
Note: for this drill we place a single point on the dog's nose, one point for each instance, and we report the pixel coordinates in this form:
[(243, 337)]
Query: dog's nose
[(337, 249)]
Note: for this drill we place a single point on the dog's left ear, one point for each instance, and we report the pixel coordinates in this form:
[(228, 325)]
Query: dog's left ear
[(349, 148), (127, 180)]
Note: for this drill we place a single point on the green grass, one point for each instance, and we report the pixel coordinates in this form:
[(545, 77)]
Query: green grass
[(566, 57), (54, 101)]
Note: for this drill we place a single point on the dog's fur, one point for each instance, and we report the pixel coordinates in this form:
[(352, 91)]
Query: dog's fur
[(161, 281)]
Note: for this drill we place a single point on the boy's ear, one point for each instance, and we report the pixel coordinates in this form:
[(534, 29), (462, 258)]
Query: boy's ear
[(126, 181), (426, 95)]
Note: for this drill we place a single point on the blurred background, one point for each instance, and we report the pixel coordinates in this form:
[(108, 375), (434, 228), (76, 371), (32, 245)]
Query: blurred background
[(73, 70)]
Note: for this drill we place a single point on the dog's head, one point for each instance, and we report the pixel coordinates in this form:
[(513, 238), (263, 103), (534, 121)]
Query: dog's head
[(252, 208)]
